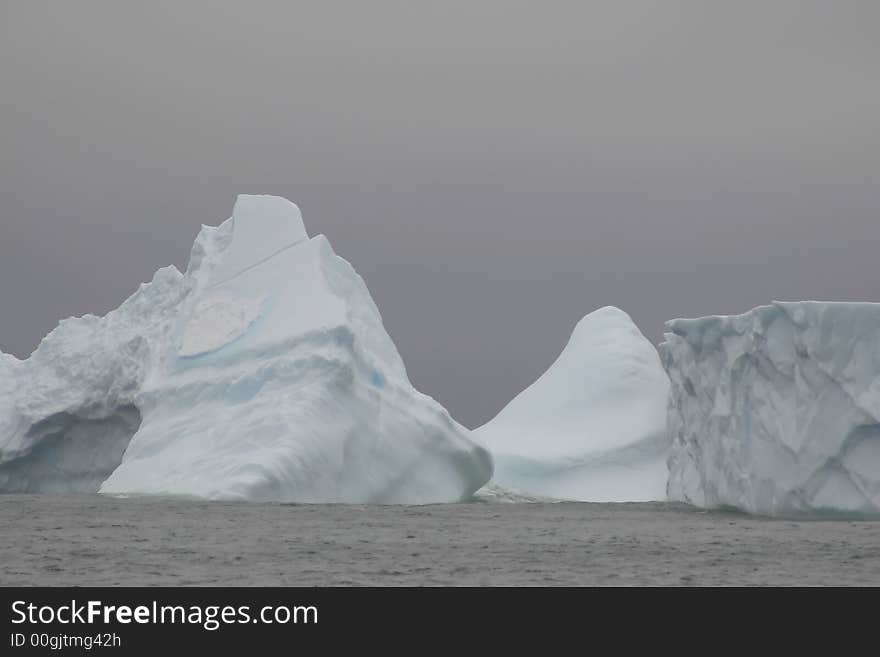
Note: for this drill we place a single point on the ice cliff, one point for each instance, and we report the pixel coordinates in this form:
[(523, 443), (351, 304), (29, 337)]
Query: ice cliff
[(262, 373), (593, 426), (777, 411)]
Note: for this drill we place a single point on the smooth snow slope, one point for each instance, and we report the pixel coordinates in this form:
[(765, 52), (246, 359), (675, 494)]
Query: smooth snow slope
[(262, 373), (777, 411), (593, 426)]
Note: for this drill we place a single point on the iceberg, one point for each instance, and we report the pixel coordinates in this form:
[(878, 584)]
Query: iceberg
[(777, 411), (262, 373), (593, 426)]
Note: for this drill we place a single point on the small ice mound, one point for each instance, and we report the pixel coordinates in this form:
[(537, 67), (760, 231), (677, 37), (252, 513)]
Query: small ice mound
[(593, 426), (492, 493)]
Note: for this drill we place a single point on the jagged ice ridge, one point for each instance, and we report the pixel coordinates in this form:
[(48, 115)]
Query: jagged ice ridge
[(262, 373)]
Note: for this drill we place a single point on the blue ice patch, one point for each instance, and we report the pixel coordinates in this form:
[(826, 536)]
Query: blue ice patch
[(377, 379)]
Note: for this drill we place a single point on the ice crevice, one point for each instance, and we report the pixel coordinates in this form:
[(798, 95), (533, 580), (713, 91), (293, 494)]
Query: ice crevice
[(253, 266), (69, 453)]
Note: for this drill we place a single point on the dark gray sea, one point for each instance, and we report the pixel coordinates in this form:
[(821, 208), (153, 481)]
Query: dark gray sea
[(98, 540)]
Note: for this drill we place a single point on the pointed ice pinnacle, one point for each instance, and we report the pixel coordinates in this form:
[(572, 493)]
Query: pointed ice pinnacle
[(261, 226), (593, 426)]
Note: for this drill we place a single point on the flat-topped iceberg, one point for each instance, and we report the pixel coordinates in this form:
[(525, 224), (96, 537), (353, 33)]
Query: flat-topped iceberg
[(262, 373), (777, 411), (593, 426)]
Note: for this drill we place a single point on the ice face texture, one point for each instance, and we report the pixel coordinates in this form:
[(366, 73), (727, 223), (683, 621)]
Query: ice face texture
[(593, 426), (776, 411), (262, 373)]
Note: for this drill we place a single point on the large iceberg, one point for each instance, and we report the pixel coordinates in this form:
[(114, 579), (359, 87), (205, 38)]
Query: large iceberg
[(593, 426), (777, 411), (262, 373)]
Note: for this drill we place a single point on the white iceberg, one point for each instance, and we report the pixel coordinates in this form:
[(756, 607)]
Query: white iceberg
[(262, 373), (777, 411), (593, 426)]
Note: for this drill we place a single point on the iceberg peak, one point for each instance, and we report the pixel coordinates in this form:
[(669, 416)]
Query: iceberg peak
[(593, 426), (605, 321), (272, 213), (260, 227)]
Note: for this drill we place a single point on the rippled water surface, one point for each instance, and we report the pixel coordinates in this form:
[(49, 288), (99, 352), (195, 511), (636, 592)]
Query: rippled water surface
[(96, 540)]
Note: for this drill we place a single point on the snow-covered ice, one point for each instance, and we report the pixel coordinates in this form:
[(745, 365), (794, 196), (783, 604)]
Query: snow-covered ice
[(216, 322), (777, 411), (262, 373), (593, 426)]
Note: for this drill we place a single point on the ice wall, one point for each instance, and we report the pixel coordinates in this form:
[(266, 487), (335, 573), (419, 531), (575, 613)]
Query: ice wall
[(776, 411)]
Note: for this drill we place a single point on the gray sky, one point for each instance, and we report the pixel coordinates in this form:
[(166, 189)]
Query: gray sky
[(494, 170)]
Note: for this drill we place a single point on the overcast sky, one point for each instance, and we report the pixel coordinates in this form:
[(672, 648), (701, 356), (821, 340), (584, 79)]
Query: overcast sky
[(494, 170)]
